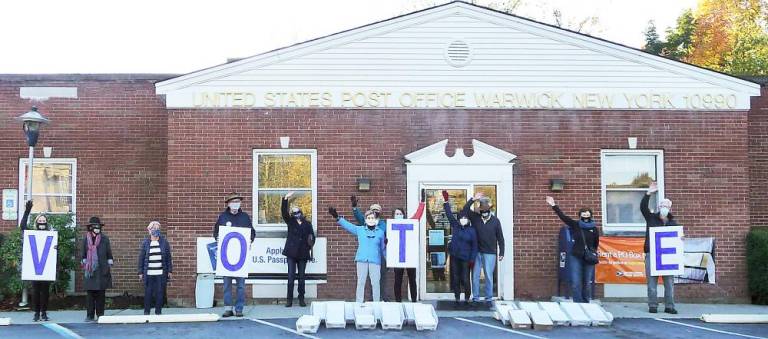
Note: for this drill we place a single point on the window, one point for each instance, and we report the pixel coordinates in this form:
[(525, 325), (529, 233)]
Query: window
[(626, 175), (277, 172), (53, 185)]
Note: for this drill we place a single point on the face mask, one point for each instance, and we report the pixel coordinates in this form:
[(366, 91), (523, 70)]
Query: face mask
[(399, 216), (155, 233), (96, 230), (463, 221), (371, 222), (298, 215), (585, 219), (234, 206), (485, 214), (664, 211), (42, 225)]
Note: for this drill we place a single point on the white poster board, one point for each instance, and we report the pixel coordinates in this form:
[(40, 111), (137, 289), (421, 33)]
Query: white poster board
[(666, 250), (264, 257), (39, 255), (402, 243), (232, 252)]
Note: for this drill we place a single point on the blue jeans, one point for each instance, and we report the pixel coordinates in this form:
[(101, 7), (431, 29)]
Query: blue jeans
[(582, 277), (486, 262), (154, 290), (240, 293)]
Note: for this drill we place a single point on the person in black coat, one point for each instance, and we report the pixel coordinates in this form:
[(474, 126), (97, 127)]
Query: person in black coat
[(298, 246), (97, 263), (40, 289), (155, 267), (661, 218), (583, 231)]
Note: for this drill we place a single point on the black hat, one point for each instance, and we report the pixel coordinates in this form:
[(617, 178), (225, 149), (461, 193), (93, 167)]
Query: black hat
[(93, 221)]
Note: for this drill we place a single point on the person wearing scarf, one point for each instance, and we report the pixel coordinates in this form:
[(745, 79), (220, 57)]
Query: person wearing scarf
[(40, 289), (298, 247), (97, 263), (463, 249), (582, 231)]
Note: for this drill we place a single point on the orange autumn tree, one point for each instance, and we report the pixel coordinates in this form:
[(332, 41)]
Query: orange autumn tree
[(730, 36)]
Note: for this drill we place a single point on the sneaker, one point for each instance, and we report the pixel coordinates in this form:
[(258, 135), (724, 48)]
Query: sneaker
[(36, 317), (239, 314), (670, 310), (227, 314), (44, 316), (652, 310)]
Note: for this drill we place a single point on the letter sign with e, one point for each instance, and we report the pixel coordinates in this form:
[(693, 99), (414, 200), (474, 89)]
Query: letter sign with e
[(39, 255), (666, 250), (232, 254), (402, 243)]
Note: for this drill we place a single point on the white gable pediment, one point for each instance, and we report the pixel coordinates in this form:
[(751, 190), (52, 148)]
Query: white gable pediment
[(483, 154), (462, 56)]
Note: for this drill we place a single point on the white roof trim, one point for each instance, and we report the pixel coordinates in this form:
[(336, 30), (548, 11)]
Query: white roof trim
[(483, 154), (533, 27)]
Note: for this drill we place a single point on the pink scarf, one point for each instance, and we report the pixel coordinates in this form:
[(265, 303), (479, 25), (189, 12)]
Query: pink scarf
[(92, 255)]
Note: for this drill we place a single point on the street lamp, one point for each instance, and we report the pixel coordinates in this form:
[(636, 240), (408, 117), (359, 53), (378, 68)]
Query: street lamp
[(32, 121)]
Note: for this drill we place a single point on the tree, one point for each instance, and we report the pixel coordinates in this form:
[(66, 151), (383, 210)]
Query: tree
[(730, 36)]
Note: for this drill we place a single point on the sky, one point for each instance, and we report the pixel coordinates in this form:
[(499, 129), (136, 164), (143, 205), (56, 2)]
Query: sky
[(173, 36)]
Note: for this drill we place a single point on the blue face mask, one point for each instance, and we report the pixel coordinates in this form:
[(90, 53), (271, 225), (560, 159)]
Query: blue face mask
[(155, 233)]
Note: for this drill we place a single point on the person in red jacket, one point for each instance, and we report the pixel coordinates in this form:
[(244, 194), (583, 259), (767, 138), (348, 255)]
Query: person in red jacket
[(399, 213)]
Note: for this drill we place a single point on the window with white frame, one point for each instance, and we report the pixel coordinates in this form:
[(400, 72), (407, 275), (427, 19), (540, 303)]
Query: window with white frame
[(277, 172), (54, 183), (626, 175)]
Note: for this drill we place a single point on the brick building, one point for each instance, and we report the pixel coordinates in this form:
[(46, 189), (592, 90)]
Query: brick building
[(523, 101)]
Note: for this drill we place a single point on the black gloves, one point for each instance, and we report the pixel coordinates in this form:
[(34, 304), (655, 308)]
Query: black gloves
[(333, 213), (423, 195), (445, 196), (28, 206), (353, 199)]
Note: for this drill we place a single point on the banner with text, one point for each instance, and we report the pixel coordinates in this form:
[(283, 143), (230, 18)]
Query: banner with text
[(39, 255), (666, 250), (402, 243), (621, 261)]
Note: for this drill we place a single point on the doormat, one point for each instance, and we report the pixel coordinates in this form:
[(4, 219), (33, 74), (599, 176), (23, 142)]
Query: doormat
[(447, 305)]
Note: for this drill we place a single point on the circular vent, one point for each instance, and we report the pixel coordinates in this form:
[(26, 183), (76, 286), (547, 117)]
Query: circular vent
[(458, 53)]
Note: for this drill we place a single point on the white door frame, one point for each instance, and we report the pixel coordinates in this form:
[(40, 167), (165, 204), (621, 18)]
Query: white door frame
[(487, 165)]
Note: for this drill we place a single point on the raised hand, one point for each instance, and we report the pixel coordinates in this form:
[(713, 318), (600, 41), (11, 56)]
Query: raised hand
[(333, 213), (289, 195), (653, 187), (478, 195), (423, 195), (551, 201), (28, 205), (445, 196), (353, 199)]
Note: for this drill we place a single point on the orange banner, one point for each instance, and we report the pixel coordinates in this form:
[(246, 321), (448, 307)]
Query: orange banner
[(621, 261)]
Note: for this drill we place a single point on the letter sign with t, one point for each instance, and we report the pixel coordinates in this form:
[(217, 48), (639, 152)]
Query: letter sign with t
[(666, 250), (39, 255), (402, 243), (232, 254)]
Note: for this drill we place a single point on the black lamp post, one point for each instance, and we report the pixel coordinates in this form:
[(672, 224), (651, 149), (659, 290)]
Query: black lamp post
[(32, 121)]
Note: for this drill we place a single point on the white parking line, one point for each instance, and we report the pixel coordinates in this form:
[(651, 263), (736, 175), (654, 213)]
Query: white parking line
[(499, 328), (284, 328), (62, 331), (708, 329)]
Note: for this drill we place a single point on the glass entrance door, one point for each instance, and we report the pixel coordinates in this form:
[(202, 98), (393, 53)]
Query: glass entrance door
[(436, 275)]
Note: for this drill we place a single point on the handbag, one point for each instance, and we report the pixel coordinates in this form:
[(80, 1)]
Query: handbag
[(590, 256)]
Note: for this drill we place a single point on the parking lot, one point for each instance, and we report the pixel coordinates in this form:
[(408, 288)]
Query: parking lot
[(449, 327)]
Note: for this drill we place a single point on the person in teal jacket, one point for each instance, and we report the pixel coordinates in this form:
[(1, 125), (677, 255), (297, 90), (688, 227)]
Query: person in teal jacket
[(376, 208), (370, 246)]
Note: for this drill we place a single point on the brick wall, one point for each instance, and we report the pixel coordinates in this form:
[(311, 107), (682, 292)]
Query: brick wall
[(706, 171), (758, 156), (116, 129)]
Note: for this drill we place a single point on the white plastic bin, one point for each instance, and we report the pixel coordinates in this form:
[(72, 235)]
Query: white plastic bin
[(204, 289)]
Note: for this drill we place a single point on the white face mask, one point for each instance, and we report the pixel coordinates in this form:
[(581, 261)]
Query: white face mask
[(399, 216), (371, 222), (96, 230), (463, 221), (234, 206), (664, 211)]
